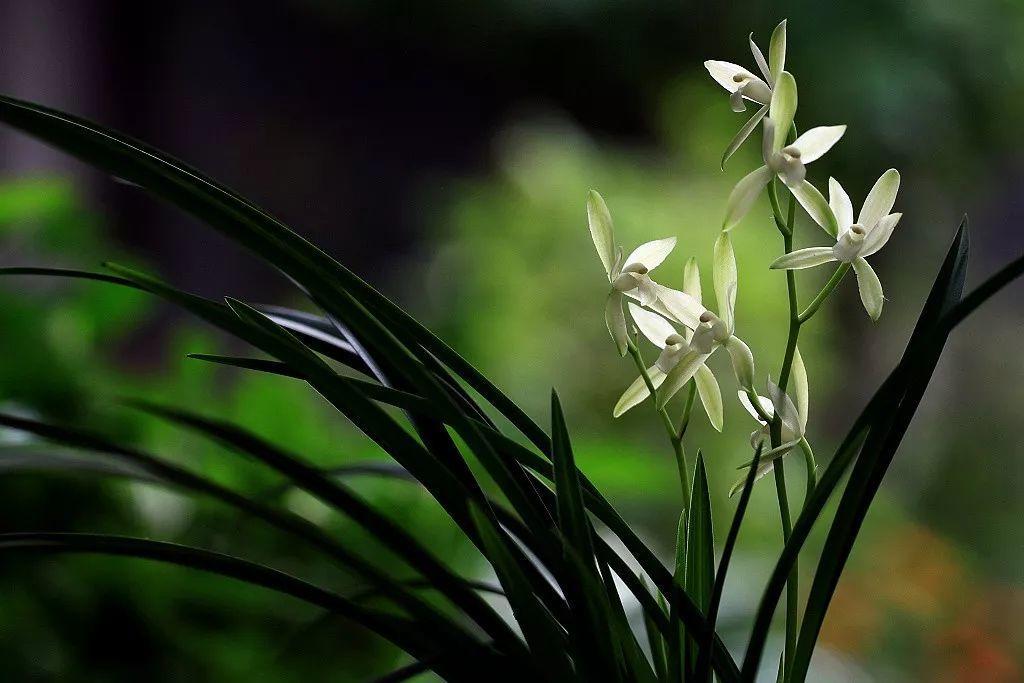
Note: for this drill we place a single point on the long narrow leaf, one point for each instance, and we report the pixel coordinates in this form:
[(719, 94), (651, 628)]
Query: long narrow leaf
[(594, 650), (543, 634), (321, 276), (401, 632), (703, 668), (700, 556), (883, 403), (879, 450), (159, 470), (215, 313), (385, 531)]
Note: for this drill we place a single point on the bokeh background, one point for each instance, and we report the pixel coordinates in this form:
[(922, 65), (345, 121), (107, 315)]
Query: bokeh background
[(443, 151)]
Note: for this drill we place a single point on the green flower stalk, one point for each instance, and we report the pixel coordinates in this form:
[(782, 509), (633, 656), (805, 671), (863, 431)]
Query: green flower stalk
[(687, 333)]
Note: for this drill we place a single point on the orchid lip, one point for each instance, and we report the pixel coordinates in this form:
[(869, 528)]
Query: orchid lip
[(674, 339)]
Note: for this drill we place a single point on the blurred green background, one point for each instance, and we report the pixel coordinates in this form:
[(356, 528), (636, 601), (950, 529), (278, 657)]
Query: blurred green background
[(443, 151)]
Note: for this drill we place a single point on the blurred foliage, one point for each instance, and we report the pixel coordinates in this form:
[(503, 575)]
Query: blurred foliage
[(73, 618)]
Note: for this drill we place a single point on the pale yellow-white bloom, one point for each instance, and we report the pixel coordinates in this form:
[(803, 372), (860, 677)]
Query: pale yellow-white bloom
[(742, 84), (662, 333), (787, 162), (855, 241), (682, 356), (792, 414), (629, 275)]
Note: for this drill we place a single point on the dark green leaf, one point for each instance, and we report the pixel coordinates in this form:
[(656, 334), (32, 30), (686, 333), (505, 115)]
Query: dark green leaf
[(700, 556), (159, 470), (403, 633), (543, 634), (591, 638), (703, 668), (887, 431), (877, 419), (385, 531), (340, 293), (572, 517)]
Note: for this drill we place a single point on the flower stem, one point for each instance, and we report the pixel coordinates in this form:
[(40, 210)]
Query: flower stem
[(670, 430), (827, 290), (687, 409), (792, 588), (812, 467)]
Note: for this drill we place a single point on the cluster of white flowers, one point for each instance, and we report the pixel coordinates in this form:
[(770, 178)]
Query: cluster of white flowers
[(677, 321)]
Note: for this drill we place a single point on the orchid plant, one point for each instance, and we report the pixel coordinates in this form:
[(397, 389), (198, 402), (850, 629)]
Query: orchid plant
[(564, 558), (685, 342)]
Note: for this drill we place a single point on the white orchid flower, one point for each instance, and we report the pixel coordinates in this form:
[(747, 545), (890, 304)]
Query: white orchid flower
[(793, 416), (662, 333), (855, 241), (682, 357), (631, 275), (788, 162), (744, 85)]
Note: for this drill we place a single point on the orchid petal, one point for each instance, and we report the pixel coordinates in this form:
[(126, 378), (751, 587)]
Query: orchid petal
[(786, 409), (651, 325), (743, 196), (617, 265), (747, 405), (742, 361), (725, 278), (601, 230), (768, 140), (763, 468), (682, 373), (651, 254), (615, 319), (724, 72), (638, 391), (777, 52), (880, 199), (783, 107), (766, 406), (880, 234), (765, 464), (744, 132), (816, 206), (814, 143), (678, 306), (803, 258), (647, 290), (670, 356), (839, 202), (772, 455), (759, 59), (870, 288), (801, 395), (710, 395), (691, 279)]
